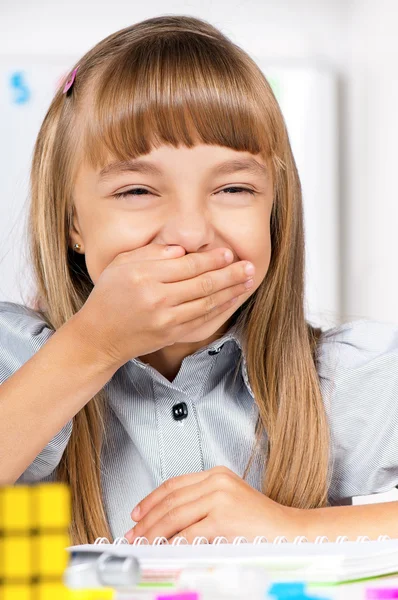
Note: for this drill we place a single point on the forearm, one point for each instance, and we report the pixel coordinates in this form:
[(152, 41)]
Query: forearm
[(368, 519), (45, 393)]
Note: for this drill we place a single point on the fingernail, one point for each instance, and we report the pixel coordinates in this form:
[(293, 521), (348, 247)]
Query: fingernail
[(129, 535), (228, 255), (136, 513), (249, 269)]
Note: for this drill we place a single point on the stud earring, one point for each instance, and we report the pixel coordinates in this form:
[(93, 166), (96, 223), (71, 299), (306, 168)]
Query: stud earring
[(76, 246)]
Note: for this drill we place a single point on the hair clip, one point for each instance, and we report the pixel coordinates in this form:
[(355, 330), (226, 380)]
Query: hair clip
[(70, 80)]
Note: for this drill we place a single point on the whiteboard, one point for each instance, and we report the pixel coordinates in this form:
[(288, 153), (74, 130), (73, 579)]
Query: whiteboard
[(308, 99)]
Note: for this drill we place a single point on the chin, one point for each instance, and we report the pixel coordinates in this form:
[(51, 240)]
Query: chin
[(202, 333)]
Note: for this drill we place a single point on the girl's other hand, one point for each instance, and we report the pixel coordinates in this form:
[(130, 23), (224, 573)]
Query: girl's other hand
[(212, 503)]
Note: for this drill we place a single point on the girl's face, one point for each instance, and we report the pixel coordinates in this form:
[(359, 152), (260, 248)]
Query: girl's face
[(178, 196)]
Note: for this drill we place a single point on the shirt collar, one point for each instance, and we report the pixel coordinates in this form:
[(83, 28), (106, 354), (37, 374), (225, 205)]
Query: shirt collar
[(234, 333)]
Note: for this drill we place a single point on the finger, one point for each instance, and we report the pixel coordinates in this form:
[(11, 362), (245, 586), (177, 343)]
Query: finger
[(180, 518), (172, 484), (183, 495), (151, 252), (168, 487), (201, 317), (204, 309), (194, 264), (212, 288), (204, 528)]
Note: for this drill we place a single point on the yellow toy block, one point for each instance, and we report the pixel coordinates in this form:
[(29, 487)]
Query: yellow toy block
[(1, 538), (100, 594), (17, 557), (16, 508), (1, 562), (52, 505), (51, 591), (50, 555), (16, 592)]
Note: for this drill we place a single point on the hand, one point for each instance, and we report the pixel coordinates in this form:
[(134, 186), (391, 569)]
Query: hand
[(150, 297), (212, 503)]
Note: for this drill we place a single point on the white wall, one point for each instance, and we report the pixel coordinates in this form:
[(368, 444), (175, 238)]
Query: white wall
[(302, 28), (371, 154)]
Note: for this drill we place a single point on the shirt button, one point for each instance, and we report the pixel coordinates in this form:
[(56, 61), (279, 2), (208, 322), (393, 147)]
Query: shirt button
[(180, 411), (211, 352)]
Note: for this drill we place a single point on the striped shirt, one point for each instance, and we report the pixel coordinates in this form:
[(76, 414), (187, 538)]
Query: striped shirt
[(358, 373)]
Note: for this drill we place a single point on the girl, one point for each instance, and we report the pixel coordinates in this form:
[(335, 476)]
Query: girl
[(166, 371)]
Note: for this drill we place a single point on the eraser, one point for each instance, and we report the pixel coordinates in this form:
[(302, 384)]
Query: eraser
[(179, 596), (287, 589), (381, 593)]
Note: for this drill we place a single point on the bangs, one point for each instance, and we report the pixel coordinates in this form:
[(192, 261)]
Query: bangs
[(180, 89)]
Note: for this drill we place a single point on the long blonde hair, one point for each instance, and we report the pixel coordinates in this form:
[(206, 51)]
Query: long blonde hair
[(179, 80)]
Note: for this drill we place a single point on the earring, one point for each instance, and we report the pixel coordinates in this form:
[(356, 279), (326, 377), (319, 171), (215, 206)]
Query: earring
[(76, 246)]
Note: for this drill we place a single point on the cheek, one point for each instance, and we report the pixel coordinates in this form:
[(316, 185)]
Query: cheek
[(104, 239), (255, 247)]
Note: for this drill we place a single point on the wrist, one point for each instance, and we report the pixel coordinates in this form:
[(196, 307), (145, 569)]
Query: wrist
[(311, 523), (298, 523), (87, 339)]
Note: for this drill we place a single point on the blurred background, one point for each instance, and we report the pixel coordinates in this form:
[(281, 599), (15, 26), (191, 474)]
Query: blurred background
[(332, 65)]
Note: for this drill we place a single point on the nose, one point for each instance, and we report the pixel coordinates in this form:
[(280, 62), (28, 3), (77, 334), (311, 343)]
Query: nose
[(188, 226)]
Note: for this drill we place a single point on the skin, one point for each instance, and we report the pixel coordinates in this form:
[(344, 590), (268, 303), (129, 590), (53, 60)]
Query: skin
[(185, 206)]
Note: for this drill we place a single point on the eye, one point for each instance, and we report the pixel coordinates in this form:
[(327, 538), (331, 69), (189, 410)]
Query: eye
[(238, 190), (138, 191), (130, 193)]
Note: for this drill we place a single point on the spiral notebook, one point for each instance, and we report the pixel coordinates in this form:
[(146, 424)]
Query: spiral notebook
[(321, 561)]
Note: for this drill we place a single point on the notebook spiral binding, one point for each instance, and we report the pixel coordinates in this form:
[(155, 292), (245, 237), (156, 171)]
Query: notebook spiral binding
[(260, 539)]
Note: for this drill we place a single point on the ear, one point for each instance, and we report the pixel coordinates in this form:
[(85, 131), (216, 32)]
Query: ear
[(75, 236)]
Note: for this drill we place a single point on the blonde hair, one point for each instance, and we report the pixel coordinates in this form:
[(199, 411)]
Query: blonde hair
[(178, 80)]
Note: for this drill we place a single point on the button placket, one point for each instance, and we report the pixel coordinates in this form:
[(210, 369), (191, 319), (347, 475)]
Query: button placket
[(180, 439), (181, 450)]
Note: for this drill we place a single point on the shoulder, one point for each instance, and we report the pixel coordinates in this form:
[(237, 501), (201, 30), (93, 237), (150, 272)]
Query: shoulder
[(21, 316), (22, 332), (358, 372), (365, 346)]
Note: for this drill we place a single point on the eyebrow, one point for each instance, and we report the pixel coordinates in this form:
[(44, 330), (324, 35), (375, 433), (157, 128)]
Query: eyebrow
[(250, 165)]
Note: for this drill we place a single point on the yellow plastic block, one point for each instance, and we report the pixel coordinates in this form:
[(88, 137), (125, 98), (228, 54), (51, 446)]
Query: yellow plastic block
[(1, 562), (16, 592), (17, 509), (100, 594), (50, 555), (52, 506), (51, 591), (17, 557)]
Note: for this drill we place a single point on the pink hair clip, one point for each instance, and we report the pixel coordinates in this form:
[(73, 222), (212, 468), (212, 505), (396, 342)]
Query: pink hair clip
[(70, 80)]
